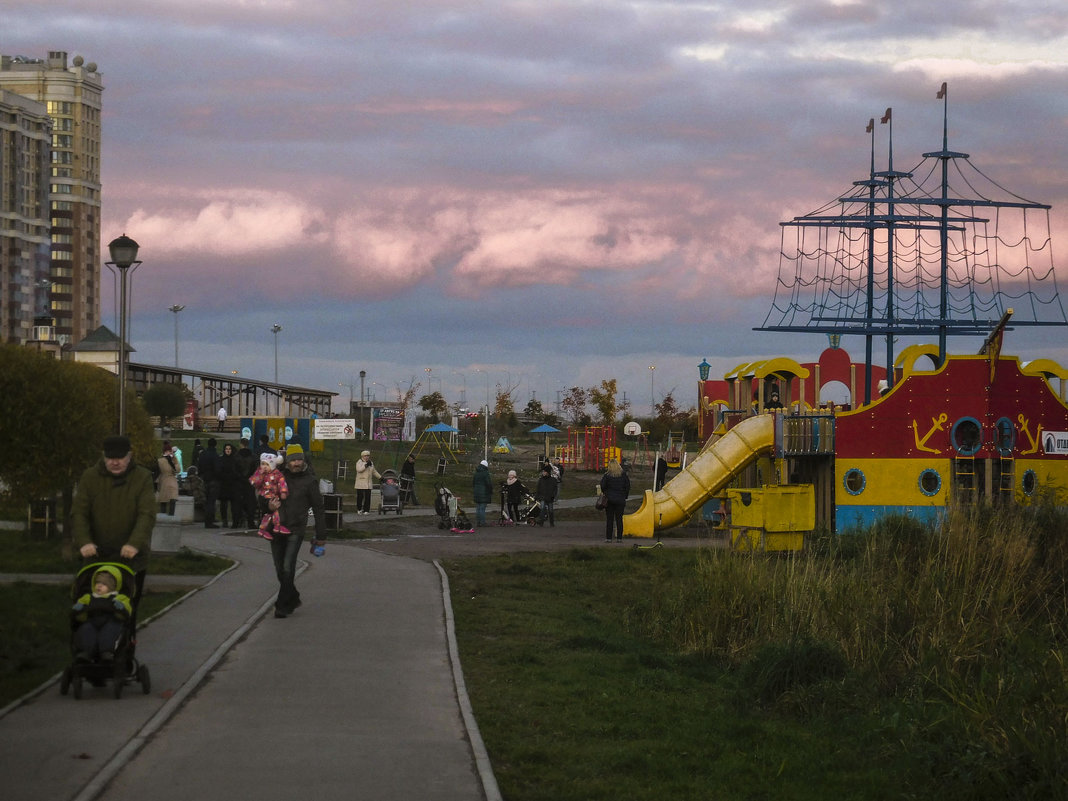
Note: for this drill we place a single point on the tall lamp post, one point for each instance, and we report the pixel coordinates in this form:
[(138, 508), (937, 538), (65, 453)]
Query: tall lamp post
[(274, 330), (175, 309), (652, 394), (123, 256)]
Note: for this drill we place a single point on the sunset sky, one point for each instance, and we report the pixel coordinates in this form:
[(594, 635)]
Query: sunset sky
[(544, 193)]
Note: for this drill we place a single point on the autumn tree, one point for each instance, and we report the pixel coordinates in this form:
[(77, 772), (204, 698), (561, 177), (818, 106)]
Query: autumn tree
[(573, 406), (534, 410), (604, 399), (434, 405), (504, 408)]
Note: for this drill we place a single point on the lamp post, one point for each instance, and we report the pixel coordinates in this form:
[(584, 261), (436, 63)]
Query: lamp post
[(278, 402), (352, 388), (177, 307), (123, 256), (652, 395)]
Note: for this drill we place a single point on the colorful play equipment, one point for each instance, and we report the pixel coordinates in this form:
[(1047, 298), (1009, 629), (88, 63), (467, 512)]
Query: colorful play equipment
[(927, 429), (591, 448)]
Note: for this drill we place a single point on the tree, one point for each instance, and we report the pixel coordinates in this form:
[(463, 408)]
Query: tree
[(573, 406), (55, 416), (534, 410), (504, 409), (165, 400), (434, 405), (604, 398)]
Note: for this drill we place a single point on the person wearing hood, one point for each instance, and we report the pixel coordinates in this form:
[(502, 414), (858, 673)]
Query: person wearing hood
[(481, 491), (114, 510), (303, 495), (100, 614)]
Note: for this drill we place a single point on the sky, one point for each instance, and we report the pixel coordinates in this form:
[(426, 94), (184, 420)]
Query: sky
[(536, 194)]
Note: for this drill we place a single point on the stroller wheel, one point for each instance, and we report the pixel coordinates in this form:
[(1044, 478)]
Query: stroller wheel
[(64, 682), (144, 679), (532, 521)]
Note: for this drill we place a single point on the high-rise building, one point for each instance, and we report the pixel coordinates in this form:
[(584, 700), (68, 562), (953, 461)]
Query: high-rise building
[(71, 94), (25, 245)]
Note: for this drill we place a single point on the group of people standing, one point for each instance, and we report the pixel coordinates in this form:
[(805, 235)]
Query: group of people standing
[(513, 491)]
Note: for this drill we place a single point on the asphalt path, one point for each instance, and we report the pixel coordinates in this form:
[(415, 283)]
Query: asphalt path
[(359, 694)]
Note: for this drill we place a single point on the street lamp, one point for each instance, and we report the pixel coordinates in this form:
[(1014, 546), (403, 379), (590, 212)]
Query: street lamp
[(176, 308), (652, 396), (123, 256), (352, 388), (278, 402)]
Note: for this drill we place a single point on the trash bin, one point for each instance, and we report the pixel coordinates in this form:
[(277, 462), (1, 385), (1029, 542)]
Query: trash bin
[(332, 508)]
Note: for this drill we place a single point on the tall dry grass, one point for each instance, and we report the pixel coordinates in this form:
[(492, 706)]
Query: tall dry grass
[(961, 629)]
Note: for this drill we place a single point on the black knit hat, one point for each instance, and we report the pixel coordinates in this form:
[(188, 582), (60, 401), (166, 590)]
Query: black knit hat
[(115, 447)]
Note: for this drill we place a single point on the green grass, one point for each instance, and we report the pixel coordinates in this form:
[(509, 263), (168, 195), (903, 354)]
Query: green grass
[(901, 663), (22, 554), (35, 633)]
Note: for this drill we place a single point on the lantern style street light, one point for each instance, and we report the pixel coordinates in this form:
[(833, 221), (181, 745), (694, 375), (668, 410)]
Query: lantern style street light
[(274, 330), (123, 257)]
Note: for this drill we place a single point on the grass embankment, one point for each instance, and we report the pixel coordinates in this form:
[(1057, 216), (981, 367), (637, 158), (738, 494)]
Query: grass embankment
[(35, 625), (898, 663)]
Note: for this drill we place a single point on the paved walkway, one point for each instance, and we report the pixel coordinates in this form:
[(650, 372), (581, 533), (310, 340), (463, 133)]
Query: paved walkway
[(353, 696), (359, 694)]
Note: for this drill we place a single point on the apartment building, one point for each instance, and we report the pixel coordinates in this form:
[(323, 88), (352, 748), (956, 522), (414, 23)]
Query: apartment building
[(71, 94), (25, 243)]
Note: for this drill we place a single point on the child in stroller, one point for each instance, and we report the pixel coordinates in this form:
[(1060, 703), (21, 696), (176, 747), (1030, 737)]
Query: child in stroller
[(390, 489), (450, 515), (102, 639)]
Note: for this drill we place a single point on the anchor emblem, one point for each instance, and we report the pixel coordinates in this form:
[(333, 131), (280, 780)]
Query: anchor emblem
[(937, 424), (1024, 422)]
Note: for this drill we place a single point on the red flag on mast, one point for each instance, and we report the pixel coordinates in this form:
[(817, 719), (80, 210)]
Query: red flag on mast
[(886, 117), (871, 125), (942, 91)]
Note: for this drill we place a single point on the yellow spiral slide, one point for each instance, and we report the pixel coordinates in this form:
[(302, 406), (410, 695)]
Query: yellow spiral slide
[(707, 475)]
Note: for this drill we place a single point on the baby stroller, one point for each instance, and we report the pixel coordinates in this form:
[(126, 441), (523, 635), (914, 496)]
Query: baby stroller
[(450, 515), (391, 493), (120, 666), (530, 510)]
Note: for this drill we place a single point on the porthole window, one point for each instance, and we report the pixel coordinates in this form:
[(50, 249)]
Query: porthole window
[(854, 481), (1029, 483), (967, 436), (1006, 433), (930, 482)]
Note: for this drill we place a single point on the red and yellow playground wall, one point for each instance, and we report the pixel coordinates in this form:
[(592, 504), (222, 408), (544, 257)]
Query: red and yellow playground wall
[(977, 427)]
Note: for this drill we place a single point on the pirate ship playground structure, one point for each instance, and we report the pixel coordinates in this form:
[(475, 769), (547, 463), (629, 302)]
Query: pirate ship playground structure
[(936, 252)]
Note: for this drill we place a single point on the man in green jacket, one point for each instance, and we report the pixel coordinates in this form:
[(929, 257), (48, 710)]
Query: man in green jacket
[(115, 510)]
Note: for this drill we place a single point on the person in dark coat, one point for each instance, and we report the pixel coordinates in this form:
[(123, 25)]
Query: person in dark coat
[(407, 473), (545, 493), (230, 489), (247, 462), (304, 494), (660, 474), (208, 468), (514, 491), (615, 486), (481, 491)]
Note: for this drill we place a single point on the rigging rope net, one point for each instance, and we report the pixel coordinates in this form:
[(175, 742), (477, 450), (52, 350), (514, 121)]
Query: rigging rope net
[(883, 238)]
